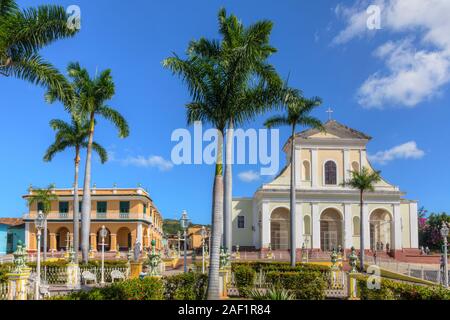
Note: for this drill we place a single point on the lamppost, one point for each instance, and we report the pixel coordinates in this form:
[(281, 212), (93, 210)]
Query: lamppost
[(103, 234), (179, 238), (444, 234), (39, 224), (203, 232), (184, 221)]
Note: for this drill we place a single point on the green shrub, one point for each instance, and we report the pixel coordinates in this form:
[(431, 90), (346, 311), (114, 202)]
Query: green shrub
[(4, 269), (149, 288), (244, 276), (305, 284), (186, 286), (280, 266), (273, 293), (391, 290)]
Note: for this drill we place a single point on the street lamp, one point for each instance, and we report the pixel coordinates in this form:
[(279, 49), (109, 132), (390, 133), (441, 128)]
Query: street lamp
[(203, 232), (444, 234), (103, 234), (178, 238), (184, 221), (39, 224)]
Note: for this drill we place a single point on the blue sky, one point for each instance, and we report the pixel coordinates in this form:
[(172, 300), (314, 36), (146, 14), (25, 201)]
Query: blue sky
[(391, 84)]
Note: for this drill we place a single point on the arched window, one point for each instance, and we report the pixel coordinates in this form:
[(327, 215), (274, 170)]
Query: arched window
[(306, 171), (355, 166), (356, 226), (330, 173), (307, 225)]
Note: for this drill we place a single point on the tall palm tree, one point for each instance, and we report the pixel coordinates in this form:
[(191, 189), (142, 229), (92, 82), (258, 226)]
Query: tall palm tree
[(252, 86), (298, 113), (204, 85), (90, 100), (23, 33), (73, 135), (364, 181), (43, 199), (220, 76)]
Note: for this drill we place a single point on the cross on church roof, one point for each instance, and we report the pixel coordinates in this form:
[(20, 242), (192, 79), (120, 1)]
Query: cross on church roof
[(330, 113)]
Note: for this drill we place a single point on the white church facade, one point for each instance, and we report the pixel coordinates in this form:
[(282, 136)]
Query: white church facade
[(328, 213)]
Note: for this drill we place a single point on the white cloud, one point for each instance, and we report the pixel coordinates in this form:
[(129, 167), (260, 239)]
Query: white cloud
[(407, 150), (148, 162), (249, 176), (416, 69)]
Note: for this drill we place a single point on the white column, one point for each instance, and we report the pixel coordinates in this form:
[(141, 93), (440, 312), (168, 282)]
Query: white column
[(299, 164), (315, 226), (314, 167), (397, 245), (413, 225), (348, 232), (256, 227), (139, 233), (362, 158), (366, 225), (265, 225), (27, 235), (299, 237), (346, 165)]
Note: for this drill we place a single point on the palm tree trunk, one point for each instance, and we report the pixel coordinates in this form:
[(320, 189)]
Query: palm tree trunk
[(361, 233), (293, 235), (213, 292), (76, 207), (228, 183), (86, 205)]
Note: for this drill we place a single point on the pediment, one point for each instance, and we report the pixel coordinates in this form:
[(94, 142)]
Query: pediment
[(333, 130)]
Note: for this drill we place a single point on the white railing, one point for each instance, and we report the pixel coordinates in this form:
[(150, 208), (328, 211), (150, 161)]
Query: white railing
[(426, 272)]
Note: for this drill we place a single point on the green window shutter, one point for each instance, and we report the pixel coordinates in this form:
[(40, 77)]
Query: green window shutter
[(40, 207), (102, 207), (124, 206), (63, 207)]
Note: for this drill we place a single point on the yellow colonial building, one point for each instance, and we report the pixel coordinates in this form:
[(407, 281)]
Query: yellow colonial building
[(128, 214)]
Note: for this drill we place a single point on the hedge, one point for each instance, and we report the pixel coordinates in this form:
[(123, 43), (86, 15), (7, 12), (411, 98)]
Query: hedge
[(244, 276), (280, 266), (186, 286), (189, 286), (391, 290), (305, 284), (149, 288)]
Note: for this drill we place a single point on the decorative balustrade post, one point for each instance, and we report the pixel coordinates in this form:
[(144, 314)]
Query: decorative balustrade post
[(73, 272), (353, 282), (18, 277), (154, 261), (224, 272)]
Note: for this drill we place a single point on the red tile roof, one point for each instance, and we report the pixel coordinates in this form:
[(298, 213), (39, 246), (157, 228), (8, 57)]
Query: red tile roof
[(11, 221)]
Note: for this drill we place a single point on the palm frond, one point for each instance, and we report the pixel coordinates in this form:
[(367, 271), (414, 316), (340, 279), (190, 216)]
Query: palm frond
[(117, 119), (102, 153)]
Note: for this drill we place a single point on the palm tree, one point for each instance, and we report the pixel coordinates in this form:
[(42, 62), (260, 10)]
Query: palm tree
[(73, 135), (218, 76), (43, 198), (252, 85), (204, 84), (363, 181), (23, 33), (90, 100), (298, 113)]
